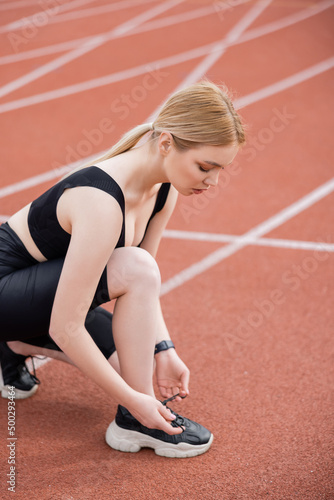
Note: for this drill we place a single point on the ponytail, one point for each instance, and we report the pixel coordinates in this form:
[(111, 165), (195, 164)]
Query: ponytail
[(128, 141)]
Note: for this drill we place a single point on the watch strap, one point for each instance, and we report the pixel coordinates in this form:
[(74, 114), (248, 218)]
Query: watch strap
[(163, 346)]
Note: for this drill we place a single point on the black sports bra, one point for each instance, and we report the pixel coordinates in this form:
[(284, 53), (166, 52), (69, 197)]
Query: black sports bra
[(51, 239)]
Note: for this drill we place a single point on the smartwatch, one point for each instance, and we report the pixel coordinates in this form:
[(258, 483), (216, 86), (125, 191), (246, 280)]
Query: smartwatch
[(163, 346)]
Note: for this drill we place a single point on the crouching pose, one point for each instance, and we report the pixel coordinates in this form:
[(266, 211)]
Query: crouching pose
[(93, 238)]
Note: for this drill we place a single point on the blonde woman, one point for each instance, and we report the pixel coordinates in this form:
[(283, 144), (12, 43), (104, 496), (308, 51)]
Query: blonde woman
[(92, 238)]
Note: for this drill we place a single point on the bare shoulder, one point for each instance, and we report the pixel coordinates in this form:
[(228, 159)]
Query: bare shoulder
[(93, 209)]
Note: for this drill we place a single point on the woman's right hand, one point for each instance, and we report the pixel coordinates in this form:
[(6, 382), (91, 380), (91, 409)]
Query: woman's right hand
[(152, 413)]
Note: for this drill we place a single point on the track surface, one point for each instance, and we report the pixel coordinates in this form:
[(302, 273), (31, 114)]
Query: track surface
[(247, 273)]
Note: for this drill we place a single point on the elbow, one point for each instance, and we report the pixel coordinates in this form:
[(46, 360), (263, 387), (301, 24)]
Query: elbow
[(58, 336), (62, 334)]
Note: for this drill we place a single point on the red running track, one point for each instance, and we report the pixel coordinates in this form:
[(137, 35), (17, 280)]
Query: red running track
[(247, 273)]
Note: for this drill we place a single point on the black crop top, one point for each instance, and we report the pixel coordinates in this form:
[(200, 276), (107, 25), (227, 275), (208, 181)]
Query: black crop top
[(51, 239)]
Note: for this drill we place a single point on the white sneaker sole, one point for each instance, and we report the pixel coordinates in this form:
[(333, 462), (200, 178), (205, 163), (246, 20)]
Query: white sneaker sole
[(132, 441), (19, 394)]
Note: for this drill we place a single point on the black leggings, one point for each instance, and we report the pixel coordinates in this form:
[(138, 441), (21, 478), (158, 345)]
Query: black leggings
[(27, 291)]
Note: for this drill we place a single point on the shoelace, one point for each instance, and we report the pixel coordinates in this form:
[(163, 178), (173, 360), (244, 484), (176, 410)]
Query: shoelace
[(178, 421), (33, 375), (172, 398)]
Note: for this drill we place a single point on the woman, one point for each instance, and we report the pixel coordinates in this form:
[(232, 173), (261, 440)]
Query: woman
[(92, 238)]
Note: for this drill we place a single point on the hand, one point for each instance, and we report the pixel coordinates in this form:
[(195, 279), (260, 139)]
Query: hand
[(172, 374), (152, 413)]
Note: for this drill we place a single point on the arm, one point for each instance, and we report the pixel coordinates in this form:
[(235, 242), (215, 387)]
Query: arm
[(172, 374), (158, 223), (96, 220)]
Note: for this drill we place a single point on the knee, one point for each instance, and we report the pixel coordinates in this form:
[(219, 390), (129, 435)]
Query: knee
[(132, 268), (143, 269)]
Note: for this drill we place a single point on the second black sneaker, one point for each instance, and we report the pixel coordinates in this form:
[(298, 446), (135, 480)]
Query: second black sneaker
[(16, 374), (126, 433)]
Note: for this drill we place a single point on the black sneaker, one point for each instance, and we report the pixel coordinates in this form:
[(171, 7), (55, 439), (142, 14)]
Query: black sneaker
[(15, 374), (125, 433)]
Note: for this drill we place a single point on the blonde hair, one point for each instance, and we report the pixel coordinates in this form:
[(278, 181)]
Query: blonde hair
[(200, 114)]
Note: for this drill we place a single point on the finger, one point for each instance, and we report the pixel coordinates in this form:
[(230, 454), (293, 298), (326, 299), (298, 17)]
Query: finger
[(176, 392), (167, 418), (165, 387), (168, 393), (172, 430), (184, 390), (163, 391), (166, 413)]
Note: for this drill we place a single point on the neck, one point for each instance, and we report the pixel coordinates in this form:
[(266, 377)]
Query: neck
[(144, 167)]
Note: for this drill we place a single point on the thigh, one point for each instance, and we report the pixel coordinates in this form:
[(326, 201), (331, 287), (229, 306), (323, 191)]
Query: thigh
[(28, 288), (26, 300), (27, 296)]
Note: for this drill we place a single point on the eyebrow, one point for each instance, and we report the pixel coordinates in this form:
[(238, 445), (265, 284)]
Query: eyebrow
[(213, 163)]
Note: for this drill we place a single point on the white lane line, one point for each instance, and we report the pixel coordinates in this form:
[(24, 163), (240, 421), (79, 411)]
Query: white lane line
[(36, 180), (43, 51), (266, 242), (180, 278), (219, 48), (106, 80), (166, 287), (90, 45), (232, 35), (292, 210), (103, 9), (81, 14), (198, 72), (157, 24), (286, 83), (163, 63), (129, 73), (259, 230), (150, 25), (53, 174), (294, 244), (47, 68), (174, 234), (30, 20), (302, 15), (171, 21), (19, 4)]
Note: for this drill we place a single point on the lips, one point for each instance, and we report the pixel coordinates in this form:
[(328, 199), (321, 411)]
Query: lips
[(198, 191)]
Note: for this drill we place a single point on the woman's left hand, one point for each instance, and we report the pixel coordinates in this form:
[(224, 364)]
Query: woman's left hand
[(172, 374)]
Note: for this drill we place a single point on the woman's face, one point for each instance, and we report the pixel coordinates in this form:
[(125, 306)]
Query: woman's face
[(195, 170)]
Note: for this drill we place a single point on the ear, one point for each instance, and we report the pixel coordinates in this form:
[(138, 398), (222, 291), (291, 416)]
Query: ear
[(165, 143)]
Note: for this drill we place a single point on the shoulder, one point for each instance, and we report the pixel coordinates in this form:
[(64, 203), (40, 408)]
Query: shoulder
[(94, 208)]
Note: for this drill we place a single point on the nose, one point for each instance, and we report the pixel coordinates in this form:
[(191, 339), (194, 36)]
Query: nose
[(212, 179)]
